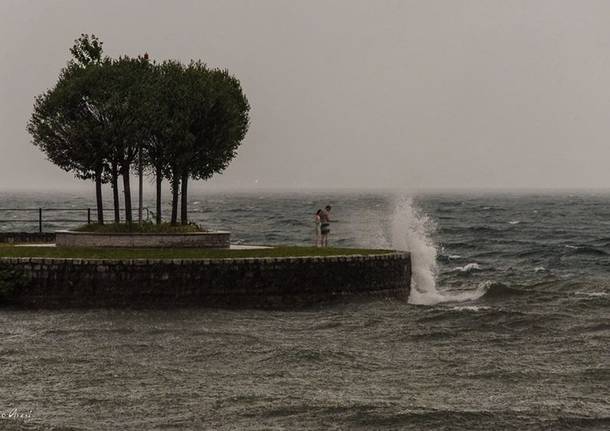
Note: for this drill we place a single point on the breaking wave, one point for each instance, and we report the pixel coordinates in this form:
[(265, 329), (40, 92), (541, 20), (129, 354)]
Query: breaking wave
[(413, 231)]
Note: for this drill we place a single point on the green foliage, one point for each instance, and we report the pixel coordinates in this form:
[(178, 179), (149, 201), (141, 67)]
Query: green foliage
[(170, 140), (67, 123), (188, 120), (86, 50), (200, 118), (220, 120)]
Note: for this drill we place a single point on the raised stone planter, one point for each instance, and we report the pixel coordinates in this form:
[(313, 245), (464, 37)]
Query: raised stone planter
[(219, 239)]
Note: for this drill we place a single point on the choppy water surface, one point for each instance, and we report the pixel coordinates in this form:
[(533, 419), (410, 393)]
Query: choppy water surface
[(509, 329)]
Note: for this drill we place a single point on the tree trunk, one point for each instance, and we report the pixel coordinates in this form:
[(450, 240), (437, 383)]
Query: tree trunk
[(175, 193), (140, 180), (98, 197), (159, 180), (115, 193), (184, 200), (127, 189)]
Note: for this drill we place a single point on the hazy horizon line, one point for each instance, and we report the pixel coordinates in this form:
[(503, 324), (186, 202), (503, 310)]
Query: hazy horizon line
[(148, 191)]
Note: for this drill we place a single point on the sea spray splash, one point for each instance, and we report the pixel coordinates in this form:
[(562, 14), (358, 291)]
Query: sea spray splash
[(412, 231)]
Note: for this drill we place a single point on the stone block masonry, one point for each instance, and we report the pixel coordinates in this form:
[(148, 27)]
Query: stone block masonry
[(267, 283), (141, 240), (27, 237)]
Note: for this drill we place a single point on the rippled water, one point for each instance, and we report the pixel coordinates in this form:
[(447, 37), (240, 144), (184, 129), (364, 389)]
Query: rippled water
[(526, 347)]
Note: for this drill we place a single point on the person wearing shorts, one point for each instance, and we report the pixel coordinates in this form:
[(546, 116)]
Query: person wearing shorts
[(325, 225)]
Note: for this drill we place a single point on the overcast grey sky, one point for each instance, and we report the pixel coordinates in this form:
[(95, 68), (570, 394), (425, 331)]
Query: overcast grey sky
[(360, 94)]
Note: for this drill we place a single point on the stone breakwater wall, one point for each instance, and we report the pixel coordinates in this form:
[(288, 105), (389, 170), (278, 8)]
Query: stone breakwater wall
[(27, 237), (268, 283)]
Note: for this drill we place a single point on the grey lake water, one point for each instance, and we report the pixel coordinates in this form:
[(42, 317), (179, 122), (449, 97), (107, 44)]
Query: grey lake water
[(508, 327)]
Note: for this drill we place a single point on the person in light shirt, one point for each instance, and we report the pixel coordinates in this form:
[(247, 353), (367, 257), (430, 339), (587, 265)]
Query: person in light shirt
[(318, 233)]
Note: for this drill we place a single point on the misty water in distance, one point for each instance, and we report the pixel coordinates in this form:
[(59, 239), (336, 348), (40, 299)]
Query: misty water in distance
[(508, 327)]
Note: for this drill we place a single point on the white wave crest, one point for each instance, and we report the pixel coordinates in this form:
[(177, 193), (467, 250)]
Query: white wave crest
[(470, 308), (468, 268), (593, 294)]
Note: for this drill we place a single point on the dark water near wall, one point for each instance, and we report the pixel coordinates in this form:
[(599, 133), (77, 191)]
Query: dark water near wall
[(527, 348)]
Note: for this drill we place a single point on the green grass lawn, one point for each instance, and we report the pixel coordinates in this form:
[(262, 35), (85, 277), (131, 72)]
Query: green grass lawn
[(10, 250)]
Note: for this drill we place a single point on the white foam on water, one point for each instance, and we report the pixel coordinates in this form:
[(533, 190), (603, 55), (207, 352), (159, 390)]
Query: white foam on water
[(412, 231), (470, 308), (593, 294), (468, 268)]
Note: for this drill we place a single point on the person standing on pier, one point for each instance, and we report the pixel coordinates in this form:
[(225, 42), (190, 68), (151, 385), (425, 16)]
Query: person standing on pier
[(318, 233), (325, 225)]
